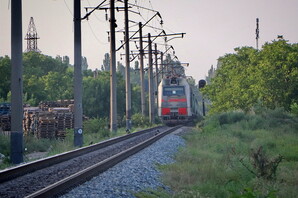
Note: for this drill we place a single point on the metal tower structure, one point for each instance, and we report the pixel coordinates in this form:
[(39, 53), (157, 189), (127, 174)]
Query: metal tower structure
[(257, 33), (32, 37)]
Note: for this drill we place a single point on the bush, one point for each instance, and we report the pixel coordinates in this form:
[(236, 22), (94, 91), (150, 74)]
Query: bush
[(97, 125), (231, 117), (138, 120), (4, 144), (294, 109), (32, 144)]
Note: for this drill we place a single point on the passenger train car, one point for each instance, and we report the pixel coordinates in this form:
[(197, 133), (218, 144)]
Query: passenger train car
[(177, 103)]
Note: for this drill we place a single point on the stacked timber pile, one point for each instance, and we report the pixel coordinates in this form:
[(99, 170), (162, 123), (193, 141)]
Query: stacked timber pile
[(44, 106), (65, 120), (30, 121), (49, 120), (5, 122), (63, 114), (65, 103), (46, 125), (5, 116)]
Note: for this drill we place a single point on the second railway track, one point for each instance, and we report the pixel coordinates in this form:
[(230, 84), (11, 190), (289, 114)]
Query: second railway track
[(54, 175)]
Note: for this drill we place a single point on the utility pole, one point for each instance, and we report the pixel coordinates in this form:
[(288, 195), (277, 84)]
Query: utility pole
[(156, 63), (150, 78), (113, 76), (127, 69), (142, 69), (257, 34), (156, 70), (16, 136), (161, 60), (78, 110)]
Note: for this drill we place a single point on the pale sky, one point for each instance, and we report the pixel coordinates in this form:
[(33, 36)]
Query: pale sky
[(213, 27)]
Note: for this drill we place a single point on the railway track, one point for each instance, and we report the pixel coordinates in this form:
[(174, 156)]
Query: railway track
[(53, 175)]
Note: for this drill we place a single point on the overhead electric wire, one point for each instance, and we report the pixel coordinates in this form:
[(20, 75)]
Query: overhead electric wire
[(68, 8), (129, 26), (96, 14), (89, 13), (95, 35)]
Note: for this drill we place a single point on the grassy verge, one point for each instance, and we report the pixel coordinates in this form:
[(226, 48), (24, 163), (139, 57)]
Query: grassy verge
[(237, 155)]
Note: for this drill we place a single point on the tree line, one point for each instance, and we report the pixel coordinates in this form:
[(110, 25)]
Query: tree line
[(250, 77), (48, 79)]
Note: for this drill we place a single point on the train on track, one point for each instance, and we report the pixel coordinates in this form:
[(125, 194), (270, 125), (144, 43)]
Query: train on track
[(177, 101)]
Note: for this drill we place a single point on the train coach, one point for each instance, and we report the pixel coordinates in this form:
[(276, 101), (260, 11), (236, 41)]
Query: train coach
[(177, 103)]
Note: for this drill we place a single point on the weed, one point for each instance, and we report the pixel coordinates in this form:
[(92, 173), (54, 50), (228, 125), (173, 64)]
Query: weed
[(96, 125), (294, 109), (230, 155), (263, 167), (4, 144), (139, 120)]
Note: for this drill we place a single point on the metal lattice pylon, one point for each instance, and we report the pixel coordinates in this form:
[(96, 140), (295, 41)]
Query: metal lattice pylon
[(32, 37)]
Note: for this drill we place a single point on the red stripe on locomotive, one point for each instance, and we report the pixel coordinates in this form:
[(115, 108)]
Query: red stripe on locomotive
[(182, 111), (165, 111), (177, 100)]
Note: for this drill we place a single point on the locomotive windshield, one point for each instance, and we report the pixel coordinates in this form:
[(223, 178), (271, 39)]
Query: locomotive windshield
[(173, 91)]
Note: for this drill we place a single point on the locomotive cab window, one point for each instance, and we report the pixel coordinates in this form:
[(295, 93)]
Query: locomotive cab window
[(173, 91)]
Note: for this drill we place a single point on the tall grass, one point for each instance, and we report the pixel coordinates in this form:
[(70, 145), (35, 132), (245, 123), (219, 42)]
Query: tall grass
[(237, 155)]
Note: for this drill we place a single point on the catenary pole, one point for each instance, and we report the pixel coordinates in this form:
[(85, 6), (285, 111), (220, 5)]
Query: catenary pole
[(113, 77), (16, 137), (127, 69), (78, 109), (150, 77), (142, 69), (162, 66), (156, 71)]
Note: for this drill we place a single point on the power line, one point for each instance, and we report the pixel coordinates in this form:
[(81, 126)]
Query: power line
[(95, 14), (95, 34), (89, 13), (68, 8)]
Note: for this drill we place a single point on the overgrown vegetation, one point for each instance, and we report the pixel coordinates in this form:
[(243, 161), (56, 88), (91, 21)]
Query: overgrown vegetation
[(237, 155), (268, 76)]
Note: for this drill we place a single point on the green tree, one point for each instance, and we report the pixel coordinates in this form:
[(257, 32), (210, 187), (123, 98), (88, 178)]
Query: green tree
[(279, 74), (106, 63), (234, 86), (34, 88), (136, 99), (65, 60), (57, 86), (84, 63), (39, 65), (96, 98), (5, 75), (248, 77), (121, 69)]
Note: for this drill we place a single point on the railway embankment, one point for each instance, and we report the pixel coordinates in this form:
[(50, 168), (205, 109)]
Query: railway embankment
[(236, 155)]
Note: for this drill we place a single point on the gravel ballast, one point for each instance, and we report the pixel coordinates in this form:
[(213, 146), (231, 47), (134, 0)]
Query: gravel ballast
[(138, 172)]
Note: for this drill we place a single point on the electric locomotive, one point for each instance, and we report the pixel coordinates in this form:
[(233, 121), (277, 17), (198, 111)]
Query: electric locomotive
[(176, 101)]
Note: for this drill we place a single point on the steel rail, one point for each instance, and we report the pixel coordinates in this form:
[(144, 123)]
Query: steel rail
[(23, 169), (67, 183)]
